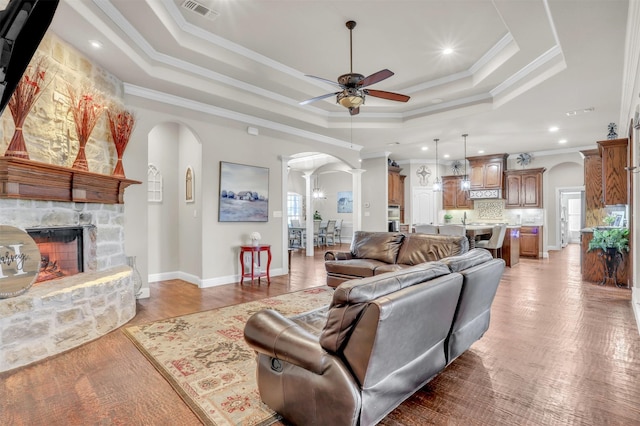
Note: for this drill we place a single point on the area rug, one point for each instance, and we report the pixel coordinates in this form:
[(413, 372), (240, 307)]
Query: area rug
[(206, 360)]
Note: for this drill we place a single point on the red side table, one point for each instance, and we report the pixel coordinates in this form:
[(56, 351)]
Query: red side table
[(255, 253)]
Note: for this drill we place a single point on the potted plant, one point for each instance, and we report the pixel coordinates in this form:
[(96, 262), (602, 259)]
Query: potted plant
[(447, 217), (612, 242), (317, 216)]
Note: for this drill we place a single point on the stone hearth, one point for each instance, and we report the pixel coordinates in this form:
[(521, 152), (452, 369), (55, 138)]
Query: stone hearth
[(57, 315)]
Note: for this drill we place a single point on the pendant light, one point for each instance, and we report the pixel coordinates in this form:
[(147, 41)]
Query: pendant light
[(465, 183), (317, 192), (437, 185)]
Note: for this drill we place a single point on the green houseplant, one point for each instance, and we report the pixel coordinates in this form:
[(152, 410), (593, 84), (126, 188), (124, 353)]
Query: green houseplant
[(612, 242), (448, 217), (605, 238)]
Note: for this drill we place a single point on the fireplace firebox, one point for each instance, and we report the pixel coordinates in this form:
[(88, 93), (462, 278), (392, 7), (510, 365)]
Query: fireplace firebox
[(61, 251)]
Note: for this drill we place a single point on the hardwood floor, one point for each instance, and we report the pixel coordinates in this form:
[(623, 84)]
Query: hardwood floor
[(558, 351)]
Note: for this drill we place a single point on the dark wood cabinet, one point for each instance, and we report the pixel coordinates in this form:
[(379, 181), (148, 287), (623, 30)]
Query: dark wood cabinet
[(614, 177), (592, 264), (530, 241), (594, 211), (487, 171), (395, 190), (453, 197), (523, 188), (511, 246)]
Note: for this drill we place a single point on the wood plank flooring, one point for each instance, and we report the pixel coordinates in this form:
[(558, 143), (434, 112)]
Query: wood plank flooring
[(558, 351)]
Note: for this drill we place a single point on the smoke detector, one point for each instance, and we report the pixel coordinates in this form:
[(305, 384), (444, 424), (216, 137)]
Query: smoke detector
[(200, 9)]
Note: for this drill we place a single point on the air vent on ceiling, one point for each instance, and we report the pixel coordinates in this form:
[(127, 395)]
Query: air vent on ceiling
[(200, 9)]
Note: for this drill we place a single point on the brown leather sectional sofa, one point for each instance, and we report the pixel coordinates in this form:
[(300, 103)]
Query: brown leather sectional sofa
[(374, 253), (380, 340)]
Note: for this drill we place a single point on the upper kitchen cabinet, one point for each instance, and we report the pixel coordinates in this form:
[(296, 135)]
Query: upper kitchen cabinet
[(396, 186), (614, 177), (524, 188), (453, 197), (594, 212), (487, 171)]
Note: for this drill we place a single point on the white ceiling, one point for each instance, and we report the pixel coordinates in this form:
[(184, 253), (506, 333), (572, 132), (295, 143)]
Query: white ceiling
[(517, 69)]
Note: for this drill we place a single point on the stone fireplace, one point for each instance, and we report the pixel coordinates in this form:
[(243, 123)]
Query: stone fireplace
[(62, 313), (61, 251)]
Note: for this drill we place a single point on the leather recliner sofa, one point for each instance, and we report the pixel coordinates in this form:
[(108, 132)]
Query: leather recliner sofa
[(374, 253), (380, 340)]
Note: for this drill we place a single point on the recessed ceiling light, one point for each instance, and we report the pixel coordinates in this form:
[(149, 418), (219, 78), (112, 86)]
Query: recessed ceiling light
[(447, 51), (393, 143), (95, 44), (481, 151), (425, 148), (446, 156), (561, 141), (553, 129), (436, 101)]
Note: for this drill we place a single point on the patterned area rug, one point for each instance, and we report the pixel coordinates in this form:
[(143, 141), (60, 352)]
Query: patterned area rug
[(206, 360)]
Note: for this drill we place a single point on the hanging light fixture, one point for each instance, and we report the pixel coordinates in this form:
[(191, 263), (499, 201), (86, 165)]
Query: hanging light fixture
[(317, 192), (465, 183), (437, 184)]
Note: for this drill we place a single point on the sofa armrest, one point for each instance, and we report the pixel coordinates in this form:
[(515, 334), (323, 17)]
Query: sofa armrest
[(337, 255), (269, 333)]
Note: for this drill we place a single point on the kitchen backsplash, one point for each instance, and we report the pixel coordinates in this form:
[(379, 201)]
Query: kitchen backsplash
[(493, 211)]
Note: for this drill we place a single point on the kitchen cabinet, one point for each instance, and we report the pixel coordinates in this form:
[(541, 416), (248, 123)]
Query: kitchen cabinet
[(511, 246), (395, 190), (530, 241), (614, 176), (487, 171), (594, 209), (453, 197), (524, 188), (592, 265)]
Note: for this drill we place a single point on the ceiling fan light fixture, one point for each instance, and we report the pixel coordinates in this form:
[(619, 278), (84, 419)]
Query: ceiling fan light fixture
[(351, 99)]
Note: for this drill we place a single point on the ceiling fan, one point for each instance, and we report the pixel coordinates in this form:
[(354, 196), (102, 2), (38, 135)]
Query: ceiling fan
[(354, 86)]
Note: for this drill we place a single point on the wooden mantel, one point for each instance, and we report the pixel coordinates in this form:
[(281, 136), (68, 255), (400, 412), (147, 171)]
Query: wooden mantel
[(27, 179)]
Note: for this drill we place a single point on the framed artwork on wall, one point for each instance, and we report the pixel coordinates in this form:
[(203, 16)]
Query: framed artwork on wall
[(244, 193), (345, 202), (189, 182)]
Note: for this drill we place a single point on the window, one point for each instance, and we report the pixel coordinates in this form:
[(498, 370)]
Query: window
[(294, 206), (154, 184)]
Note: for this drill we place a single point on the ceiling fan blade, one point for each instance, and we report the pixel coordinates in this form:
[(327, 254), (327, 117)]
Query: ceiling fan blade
[(388, 95), (317, 98), (333, 83), (354, 111), (375, 77)]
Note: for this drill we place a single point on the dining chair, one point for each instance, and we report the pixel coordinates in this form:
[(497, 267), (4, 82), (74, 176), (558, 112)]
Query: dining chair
[(426, 229), (316, 232), (329, 231), (338, 231), (452, 230), (494, 244)]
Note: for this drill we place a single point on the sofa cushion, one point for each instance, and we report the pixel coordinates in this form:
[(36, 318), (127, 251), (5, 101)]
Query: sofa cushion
[(355, 267), (467, 260), (351, 297), (388, 267), (420, 248), (382, 246)]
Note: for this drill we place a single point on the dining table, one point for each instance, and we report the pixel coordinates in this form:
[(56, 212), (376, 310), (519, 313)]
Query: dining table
[(300, 230)]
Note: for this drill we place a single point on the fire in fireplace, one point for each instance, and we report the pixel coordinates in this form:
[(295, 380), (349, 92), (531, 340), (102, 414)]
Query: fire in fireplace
[(61, 251)]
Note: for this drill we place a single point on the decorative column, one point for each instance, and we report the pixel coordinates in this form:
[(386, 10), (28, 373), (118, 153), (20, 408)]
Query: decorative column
[(308, 213), (356, 186)]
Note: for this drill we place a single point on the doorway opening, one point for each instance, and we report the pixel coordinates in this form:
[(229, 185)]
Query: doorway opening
[(570, 216)]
